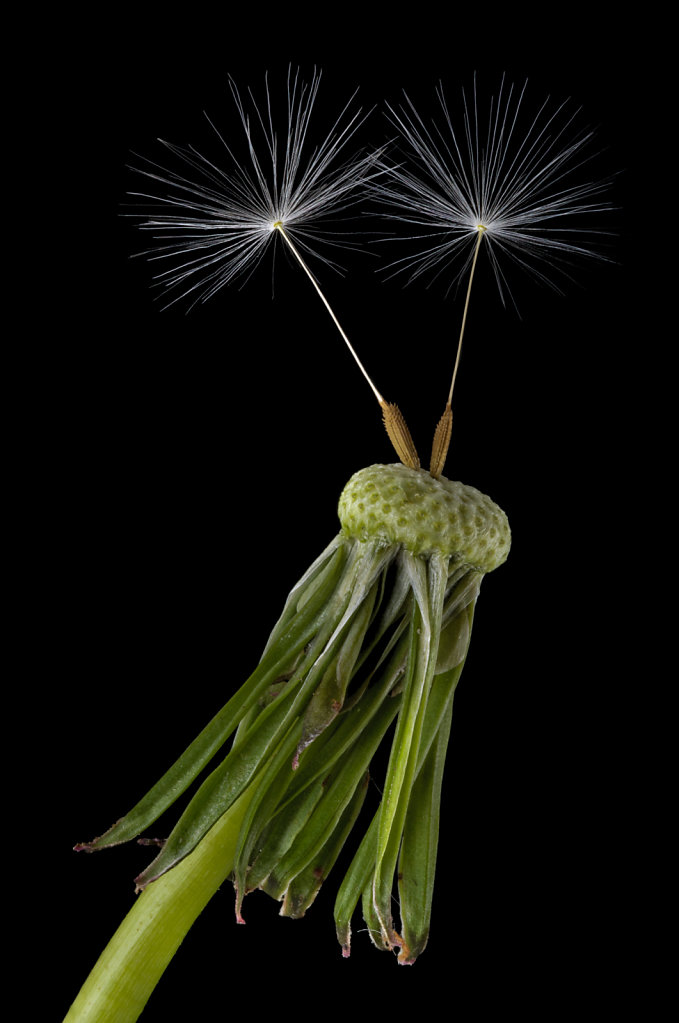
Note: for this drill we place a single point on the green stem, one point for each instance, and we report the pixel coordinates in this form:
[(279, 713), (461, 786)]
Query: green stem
[(134, 960)]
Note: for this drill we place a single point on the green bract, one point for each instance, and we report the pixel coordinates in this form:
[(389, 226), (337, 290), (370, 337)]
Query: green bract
[(375, 632)]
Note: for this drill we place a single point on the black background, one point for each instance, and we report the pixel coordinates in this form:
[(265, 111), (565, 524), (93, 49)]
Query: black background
[(188, 471)]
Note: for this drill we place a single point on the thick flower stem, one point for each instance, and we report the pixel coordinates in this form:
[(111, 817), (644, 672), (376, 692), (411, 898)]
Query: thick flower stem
[(132, 963)]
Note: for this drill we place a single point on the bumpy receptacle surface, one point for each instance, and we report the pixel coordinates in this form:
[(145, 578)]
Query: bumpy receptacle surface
[(409, 507)]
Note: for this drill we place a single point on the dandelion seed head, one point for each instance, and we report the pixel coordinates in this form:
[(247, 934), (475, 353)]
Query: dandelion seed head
[(214, 219), (509, 170)]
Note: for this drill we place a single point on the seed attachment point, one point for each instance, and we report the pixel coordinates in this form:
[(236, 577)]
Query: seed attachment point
[(441, 443), (399, 435)]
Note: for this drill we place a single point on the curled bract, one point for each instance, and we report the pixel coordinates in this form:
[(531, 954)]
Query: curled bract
[(374, 635)]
